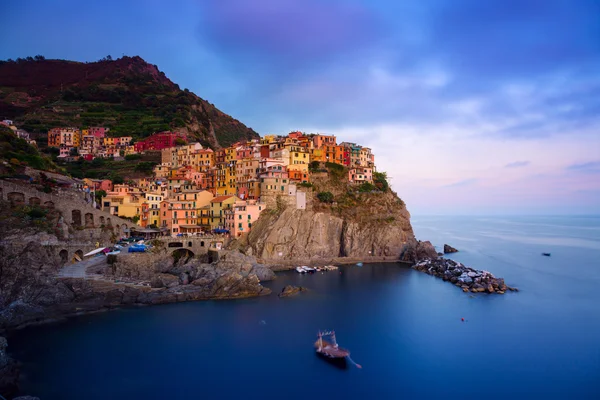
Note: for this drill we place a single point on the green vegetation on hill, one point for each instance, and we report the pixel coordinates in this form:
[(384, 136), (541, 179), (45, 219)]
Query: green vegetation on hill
[(128, 95), (117, 171), (17, 153)]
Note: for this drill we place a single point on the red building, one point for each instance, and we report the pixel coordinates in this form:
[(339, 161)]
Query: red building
[(159, 141)]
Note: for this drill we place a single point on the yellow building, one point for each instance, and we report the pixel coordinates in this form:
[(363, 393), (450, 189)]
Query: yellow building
[(109, 141), (317, 155), (153, 199), (299, 155), (123, 202), (218, 205)]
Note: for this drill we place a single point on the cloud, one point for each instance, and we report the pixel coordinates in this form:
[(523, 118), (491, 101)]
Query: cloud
[(517, 164), (592, 166), (288, 32), (465, 182)]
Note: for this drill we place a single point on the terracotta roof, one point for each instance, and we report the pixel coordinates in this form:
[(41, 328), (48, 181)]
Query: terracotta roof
[(220, 199)]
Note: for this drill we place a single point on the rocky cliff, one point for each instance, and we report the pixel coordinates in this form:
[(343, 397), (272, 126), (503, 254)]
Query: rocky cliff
[(376, 228)]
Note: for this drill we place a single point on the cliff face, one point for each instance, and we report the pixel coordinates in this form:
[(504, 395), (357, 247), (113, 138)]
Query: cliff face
[(378, 228)]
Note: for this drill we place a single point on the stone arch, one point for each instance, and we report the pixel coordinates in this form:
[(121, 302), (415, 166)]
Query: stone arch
[(76, 217), (78, 254), (89, 220), (16, 198), (175, 244), (202, 243), (108, 221), (102, 220), (190, 244), (64, 256), (49, 204), (34, 201), (182, 253)]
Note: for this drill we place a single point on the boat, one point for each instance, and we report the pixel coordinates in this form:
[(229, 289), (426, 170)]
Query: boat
[(300, 270), (359, 264), (546, 254), (309, 269), (330, 351)]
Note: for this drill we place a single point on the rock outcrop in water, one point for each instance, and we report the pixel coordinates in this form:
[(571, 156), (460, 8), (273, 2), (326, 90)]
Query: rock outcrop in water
[(468, 279), (290, 290), (449, 249)]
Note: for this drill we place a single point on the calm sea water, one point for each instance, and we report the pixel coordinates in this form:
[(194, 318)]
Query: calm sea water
[(403, 326)]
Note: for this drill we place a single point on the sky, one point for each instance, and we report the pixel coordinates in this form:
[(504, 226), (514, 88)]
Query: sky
[(471, 107)]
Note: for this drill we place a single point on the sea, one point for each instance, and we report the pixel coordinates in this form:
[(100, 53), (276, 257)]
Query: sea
[(415, 336)]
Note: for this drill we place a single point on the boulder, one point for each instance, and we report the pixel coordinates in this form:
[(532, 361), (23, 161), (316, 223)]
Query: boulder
[(449, 249), (164, 281), (290, 290), (263, 273)]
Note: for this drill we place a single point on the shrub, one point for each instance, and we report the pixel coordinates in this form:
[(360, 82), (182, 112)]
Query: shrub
[(36, 213), (132, 157), (380, 179), (366, 187), (305, 184), (325, 197)]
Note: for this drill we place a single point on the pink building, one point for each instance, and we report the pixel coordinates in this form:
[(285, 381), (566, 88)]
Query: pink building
[(98, 131), (360, 175), (242, 215)]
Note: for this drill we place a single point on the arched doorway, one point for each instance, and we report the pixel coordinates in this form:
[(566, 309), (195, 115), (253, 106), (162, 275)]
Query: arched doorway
[(89, 220), (16, 199), (76, 217), (49, 204), (64, 256), (101, 220), (34, 201), (108, 221)]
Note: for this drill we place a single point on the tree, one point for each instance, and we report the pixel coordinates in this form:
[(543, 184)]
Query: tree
[(109, 58), (325, 197), (117, 179), (39, 58), (380, 180), (73, 152), (135, 219), (100, 194), (180, 142)]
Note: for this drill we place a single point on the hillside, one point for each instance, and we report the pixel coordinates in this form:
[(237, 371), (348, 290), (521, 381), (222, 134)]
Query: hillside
[(16, 154), (128, 95)]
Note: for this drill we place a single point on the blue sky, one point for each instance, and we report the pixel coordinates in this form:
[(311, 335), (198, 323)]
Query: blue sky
[(487, 107)]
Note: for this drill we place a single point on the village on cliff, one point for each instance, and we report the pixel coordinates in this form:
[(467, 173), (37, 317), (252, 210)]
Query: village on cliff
[(197, 190)]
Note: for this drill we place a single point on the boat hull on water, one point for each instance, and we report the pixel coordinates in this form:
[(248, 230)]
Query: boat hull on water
[(337, 362)]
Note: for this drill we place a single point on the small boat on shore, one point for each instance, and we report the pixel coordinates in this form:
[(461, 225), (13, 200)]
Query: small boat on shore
[(359, 264), (300, 270)]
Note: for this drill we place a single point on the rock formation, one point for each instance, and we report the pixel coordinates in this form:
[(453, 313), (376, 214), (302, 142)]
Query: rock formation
[(449, 249), (9, 371), (290, 290), (378, 229), (136, 279)]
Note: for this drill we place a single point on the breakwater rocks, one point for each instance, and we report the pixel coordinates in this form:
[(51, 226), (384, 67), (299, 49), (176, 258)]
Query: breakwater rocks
[(468, 279)]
